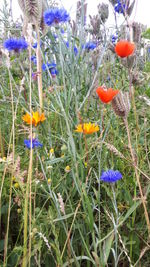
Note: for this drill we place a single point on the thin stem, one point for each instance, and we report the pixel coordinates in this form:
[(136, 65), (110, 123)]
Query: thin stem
[(115, 225), (13, 154), (29, 180), (39, 69), (137, 175)]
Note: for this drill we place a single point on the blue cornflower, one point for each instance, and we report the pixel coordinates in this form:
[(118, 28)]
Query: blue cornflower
[(110, 176), (34, 60), (35, 143), (35, 45), (53, 72), (51, 67), (120, 7), (89, 46), (55, 16), (114, 38), (75, 50), (15, 44), (67, 44), (48, 66)]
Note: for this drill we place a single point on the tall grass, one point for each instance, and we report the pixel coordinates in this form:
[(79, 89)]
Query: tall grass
[(55, 211)]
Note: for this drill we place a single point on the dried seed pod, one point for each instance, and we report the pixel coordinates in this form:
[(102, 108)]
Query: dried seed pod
[(121, 104), (103, 12)]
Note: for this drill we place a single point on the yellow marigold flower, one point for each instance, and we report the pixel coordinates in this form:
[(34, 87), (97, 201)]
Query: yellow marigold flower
[(87, 128), (51, 151), (67, 169), (35, 119)]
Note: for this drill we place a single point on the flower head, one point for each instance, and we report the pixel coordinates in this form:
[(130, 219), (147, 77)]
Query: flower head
[(87, 128), (106, 95), (110, 176), (89, 46), (51, 67), (15, 44), (35, 119), (35, 143), (114, 38), (124, 48), (120, 7), (55, 16), (67, 169), (34, 60)]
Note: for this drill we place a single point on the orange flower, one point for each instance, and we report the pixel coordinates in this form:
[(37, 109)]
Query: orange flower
[(35, 119), (106, 95), (124, 48), (87, 128)]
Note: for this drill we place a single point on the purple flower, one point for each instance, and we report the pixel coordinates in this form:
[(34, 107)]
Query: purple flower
[(110, 176), (15, 44), (35, 143), (55, 16)]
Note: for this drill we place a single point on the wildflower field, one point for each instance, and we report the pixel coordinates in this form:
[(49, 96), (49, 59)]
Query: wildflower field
[(74, 136)]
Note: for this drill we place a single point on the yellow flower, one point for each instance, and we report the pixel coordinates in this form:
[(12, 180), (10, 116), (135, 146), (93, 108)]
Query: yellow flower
[(67, 169), (87, 128), (18, 210), (16, 185), (35, 119), (85, 164), (13, 179), (49, 181), (51, 151)]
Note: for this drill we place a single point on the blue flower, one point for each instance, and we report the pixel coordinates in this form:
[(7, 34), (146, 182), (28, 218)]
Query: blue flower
[(120, 7), (35, 44), (110, 176), (55, 16), (53, 72), (89, 46), (15, 44), (35, 143), (34, 60), (114, 38), (51, 67), (67, 44), (75, 50), (48, 66)]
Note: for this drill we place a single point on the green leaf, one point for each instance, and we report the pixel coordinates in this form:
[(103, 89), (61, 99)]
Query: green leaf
[(106, 248), (146, 34)]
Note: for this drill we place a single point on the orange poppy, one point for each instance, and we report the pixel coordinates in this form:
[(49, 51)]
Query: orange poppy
[(124, 48), (35, 119), (87, 128), (106, 95)]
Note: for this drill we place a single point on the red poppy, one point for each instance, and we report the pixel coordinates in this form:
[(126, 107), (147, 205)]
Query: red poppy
[(106, 95), (124, 48)]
